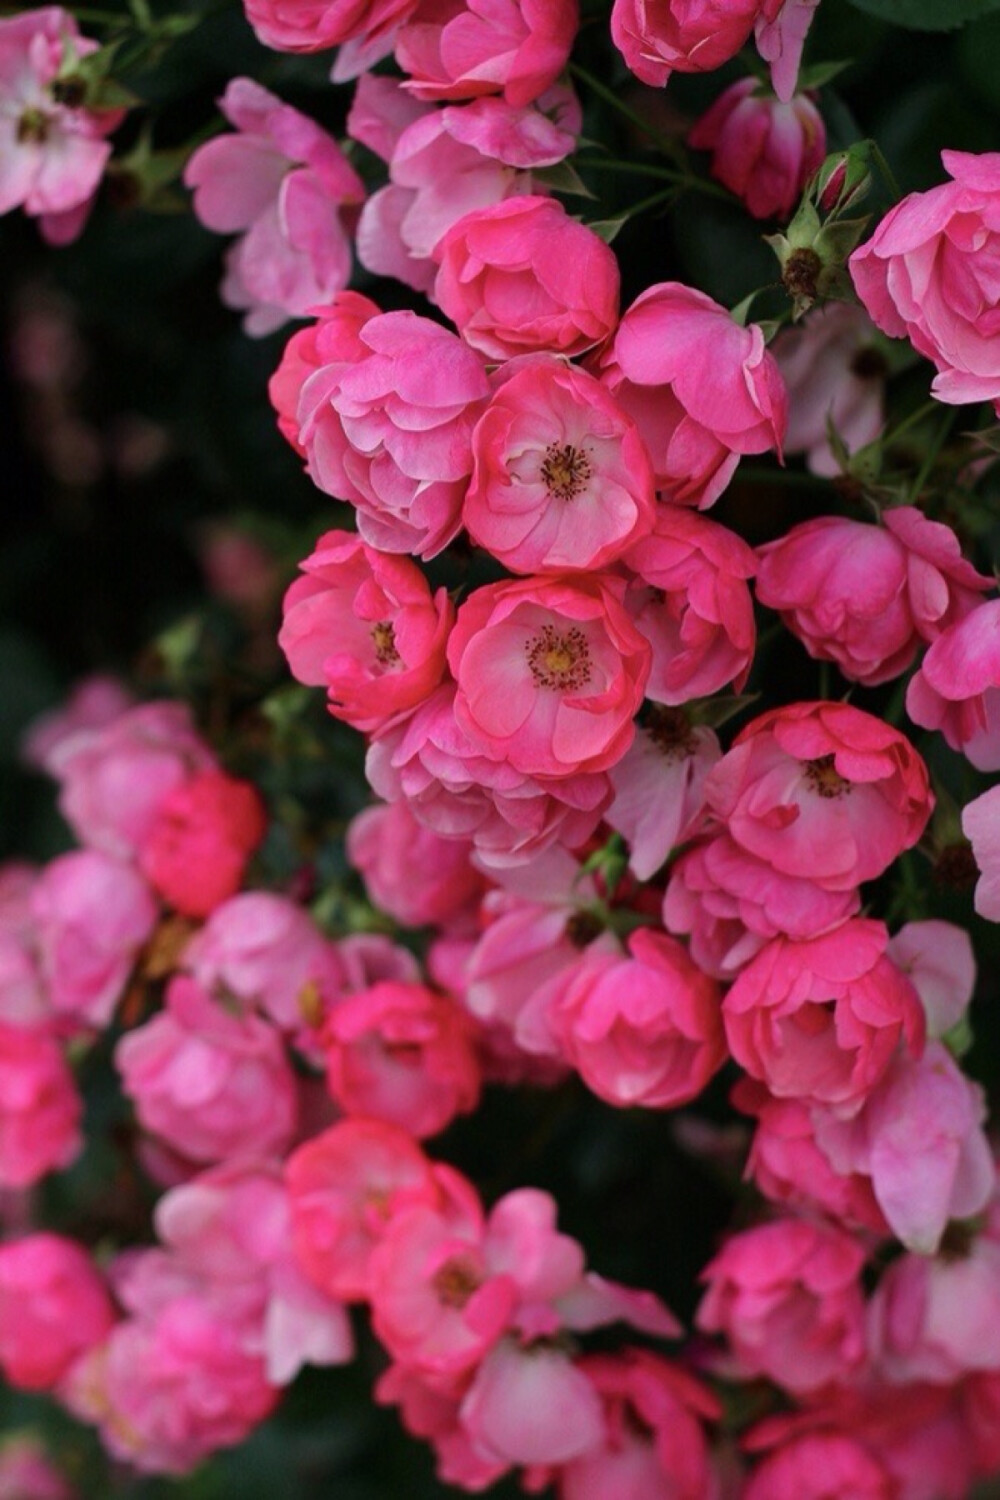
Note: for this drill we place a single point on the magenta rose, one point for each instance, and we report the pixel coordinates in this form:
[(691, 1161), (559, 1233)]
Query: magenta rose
[(54, 1305), (762, 150), (40, 1107), (929, 274), (312, 25), (658, 37), (956, 688), (453, 49), (522, 276), (550, 673)]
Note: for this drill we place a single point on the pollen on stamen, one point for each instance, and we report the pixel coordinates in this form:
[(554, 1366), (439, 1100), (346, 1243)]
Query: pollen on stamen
[(825, 779), (565, 470), (559, 660), (384, 638)]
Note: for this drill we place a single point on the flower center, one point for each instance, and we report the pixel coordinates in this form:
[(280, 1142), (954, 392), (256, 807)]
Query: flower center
[(455, 1281), (670, 730), (560, 661), (384, 638), (565, 471), (32, 128), (825, 779)]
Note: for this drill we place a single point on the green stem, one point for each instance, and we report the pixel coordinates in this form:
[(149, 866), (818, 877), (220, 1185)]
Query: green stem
[(888, 175), (639, 168), (667, 146), (921, 412), (930, 457), (654, 201)]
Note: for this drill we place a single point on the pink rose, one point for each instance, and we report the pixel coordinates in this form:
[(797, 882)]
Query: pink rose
[(459, 791), (658, 37), (52, 153), (93, 703), (956, 688), (522, 276), (280, 183), (762, 150), (981, 826), (26, 1473), (550, 673), (204, 833), (867, 596), (659, 787), (692, 603), (54, 1306), (312, 25), (643, 1029), (835, 375), (788, 1298), (822, 791), (458, 49), (702, 389), (401, 1053), (386, 422), (821, 1466), (938, 1317), (333, 340), (92, 915), (366, 627), (820, 1020), (418, 878), (40, 1108), (561, 479), (209, 1083), (928, 274)]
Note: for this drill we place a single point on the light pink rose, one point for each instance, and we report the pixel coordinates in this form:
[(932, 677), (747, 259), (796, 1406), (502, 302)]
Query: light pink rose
[(52, 153), (281, 183), (866, 597), (836, 377), (457, 790), (113, 780), (40, 1108), (788, 1298), (702, 389), (458, 49), (54, 1305), (729, 903), (938, 1317), (692, 603), (401, 1053), (209, 1083), (643, 1029), (659, 787), (532, 1405), (780, 32), (956, 688), (821, 1466), (981, 826), (522, 277), (388, 427), (938, 959), (93, 703), (92, 915), (821, 1020), (550, 673), (366, 627), (313, 25), (822, 791), (762, 150), (24, 1000), (928, 274), (561, 479), (418, 878), (26, 1473)]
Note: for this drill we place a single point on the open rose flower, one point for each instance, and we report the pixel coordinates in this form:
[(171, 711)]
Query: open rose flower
[(458, 49), (550, 673), (836, 376), (280, 183), (929, 273), (956, 688), (523, 277)]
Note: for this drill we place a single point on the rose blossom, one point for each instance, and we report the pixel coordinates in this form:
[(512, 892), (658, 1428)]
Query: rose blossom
[(366, 627), (657, 37), (54, 1306), (561, 479), (788, 1298), (457, 49), (835, 375), (939, 960), (418, 878), (40, 1108), (333, 343), (196, 851), (209, 1083), (522, 276), (692, 603), (312, 25), (702, 389), (938, 1317), (401, 1053), (550, 673), (26, 1472), (445, 162), (928, 274), (867, 596), (52, 153), (93, 703), (659, 787), (822, 791), (821, 1020), (453, 787), (92, 915), (762, 150), (956, 688), (386, 423), (821, 1466), (981, 826), (280, 183)]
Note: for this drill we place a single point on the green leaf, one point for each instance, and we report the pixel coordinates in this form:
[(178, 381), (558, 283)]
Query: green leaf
[(928, 15), (608, 228)]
